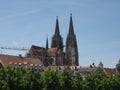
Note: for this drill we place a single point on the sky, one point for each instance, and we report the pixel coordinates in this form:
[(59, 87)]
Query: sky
[(96, 23)]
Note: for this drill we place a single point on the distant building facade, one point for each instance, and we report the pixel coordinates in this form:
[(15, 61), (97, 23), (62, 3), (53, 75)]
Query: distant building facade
[(19, 61), (56, 56)]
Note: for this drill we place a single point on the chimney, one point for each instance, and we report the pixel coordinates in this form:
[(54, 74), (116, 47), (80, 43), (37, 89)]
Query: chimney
[(20, 55)]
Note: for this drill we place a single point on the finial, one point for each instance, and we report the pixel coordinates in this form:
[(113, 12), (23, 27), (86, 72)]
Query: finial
[(56, 17), (71, 14)]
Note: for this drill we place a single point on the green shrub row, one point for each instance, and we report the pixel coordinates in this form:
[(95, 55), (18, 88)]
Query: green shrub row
[(13, 78)]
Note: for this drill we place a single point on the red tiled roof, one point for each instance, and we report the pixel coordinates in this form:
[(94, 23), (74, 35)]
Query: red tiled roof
[(7, 59), (110, 71)]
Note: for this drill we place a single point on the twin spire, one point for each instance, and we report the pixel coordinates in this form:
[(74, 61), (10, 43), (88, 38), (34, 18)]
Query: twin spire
[(71, 29), (57, 40), (71, 50), (57, 32), (71, 46)]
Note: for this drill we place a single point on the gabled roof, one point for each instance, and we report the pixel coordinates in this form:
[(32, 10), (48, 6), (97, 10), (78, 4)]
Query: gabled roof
[(36, 49), (7, 59)]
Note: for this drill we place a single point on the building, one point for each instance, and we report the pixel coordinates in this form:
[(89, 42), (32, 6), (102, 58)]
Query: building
[(50, 56), (56, 56), (19, 61)]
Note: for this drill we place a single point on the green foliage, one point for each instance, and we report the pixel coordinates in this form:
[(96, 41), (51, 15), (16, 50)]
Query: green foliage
[(93, 81), (1, 66), (77, 81), (14, 78), (118, 66), (65, 80), (49, 79)]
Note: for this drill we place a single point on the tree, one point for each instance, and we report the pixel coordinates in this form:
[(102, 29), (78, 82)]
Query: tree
[(93, 81), (1, 66), (65, 80), (118, 66), (50, 79), (77, 81)]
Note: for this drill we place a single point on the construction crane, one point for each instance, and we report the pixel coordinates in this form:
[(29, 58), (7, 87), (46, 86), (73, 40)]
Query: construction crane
[(15, 48)]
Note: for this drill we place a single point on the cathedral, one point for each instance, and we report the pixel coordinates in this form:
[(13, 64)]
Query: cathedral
[(58, 54)]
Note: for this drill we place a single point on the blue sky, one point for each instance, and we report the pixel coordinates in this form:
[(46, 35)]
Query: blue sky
[(96, 23)]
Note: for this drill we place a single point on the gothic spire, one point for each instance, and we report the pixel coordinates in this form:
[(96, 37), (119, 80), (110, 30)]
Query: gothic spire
[(47, 43), (71, 29), (57, 40), (71, 38), (57, 33)]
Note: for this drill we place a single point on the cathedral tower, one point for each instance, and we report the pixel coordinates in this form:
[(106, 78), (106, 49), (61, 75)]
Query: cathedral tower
[(57, 40), (71, 46)]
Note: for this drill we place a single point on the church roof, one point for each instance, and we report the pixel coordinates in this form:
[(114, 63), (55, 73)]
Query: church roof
[(51, 51), (36, 47)]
